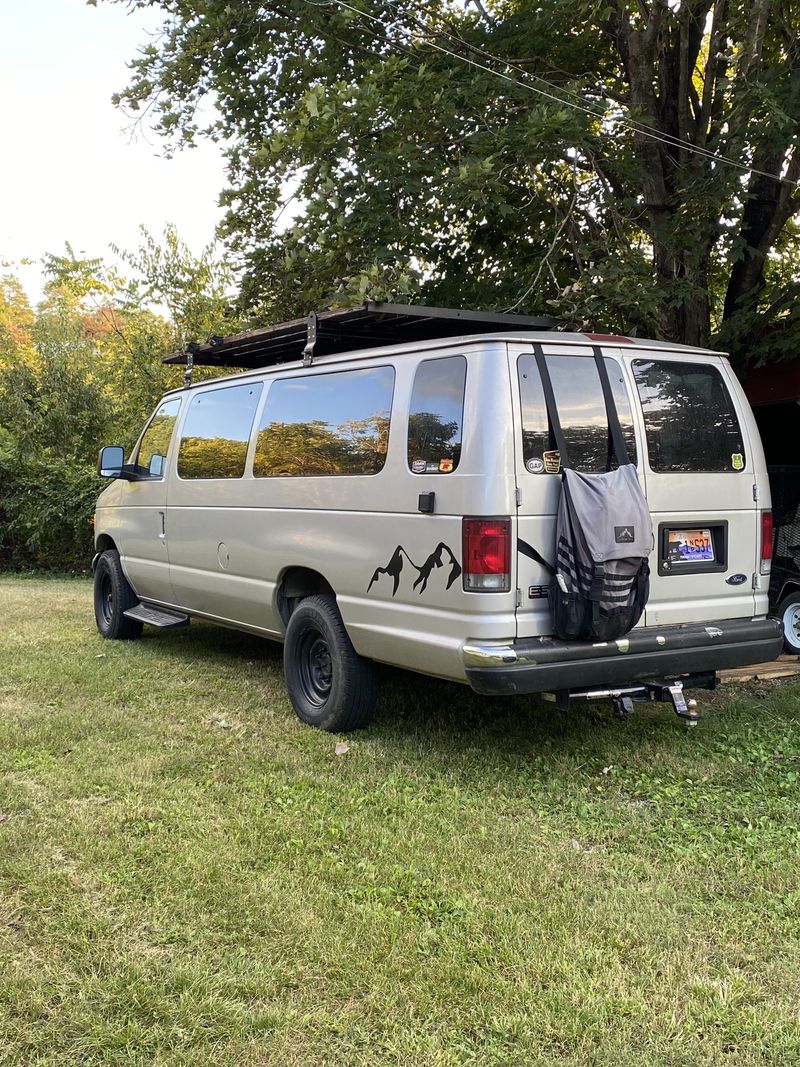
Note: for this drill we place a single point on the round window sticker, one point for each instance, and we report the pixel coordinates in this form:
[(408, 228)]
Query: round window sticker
[(535, 466)]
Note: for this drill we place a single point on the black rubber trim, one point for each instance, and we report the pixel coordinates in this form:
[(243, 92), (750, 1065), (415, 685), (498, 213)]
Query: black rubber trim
[(685, 650)]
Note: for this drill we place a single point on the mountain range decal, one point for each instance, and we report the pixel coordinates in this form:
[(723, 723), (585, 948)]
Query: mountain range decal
[(394, 568)]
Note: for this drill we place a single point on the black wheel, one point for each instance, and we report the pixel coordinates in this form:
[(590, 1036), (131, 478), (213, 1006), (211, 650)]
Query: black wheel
[(112, 597), (330, 685), (789, 614)]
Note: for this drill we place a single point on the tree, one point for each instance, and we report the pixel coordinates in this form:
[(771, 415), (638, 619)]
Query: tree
[(633, 166), (85, 369)]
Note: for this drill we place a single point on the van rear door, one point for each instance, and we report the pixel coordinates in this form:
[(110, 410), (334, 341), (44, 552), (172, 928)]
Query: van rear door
[(700, 470), (582, 413)]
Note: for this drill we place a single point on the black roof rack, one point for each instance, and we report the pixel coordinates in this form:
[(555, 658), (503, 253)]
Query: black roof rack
[(347, 329)]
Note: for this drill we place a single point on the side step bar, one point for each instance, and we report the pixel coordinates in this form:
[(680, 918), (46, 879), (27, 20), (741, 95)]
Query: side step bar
[(161, 617)]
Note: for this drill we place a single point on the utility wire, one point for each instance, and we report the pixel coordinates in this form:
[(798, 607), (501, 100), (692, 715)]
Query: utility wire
[(630, 125)]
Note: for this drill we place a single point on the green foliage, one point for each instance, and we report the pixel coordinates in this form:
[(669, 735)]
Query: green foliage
[(82, 370), (503, 156)]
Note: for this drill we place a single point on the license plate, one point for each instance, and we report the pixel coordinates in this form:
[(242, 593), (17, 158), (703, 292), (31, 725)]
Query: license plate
[(690, 546)]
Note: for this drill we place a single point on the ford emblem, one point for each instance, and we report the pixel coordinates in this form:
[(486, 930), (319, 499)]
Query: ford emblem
[(736, 579)]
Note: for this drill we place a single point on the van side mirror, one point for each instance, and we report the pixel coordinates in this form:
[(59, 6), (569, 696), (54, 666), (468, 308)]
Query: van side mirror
[(111, 461)]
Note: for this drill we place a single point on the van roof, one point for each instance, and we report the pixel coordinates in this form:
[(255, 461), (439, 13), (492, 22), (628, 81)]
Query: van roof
[(586, 340)]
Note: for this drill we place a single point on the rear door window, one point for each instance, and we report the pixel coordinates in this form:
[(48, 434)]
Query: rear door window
[(436, 415), (581, 411), (689, 418), (216, 432)]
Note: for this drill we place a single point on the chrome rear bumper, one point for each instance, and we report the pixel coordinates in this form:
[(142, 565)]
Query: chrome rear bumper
[(544, 664)]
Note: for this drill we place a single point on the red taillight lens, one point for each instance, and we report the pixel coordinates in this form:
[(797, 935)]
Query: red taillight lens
[(766, 541), (487, 555)]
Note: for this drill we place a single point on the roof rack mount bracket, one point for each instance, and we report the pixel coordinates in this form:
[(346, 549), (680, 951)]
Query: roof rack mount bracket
[(311, 339), (192, 350)]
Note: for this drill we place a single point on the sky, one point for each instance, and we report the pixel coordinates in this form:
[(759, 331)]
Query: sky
[(69, 171)]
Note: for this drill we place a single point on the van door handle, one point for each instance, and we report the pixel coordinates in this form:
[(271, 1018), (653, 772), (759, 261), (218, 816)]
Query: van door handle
[(162, 520)]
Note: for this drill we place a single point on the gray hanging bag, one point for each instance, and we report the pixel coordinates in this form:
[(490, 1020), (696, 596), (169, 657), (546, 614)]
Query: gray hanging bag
[(604, 535)]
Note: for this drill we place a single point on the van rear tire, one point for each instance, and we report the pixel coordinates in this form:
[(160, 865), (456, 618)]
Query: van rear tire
[(330, 686), (789, 614), (113, 596)]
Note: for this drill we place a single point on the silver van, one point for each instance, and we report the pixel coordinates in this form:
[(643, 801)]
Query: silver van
[(377, 504)]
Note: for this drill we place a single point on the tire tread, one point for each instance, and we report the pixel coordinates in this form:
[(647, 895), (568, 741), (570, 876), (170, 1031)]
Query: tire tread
[(122, 628), (357, 682)]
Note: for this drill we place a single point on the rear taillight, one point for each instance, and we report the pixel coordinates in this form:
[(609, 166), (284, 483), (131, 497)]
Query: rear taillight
[(766, 541), (486, 547)]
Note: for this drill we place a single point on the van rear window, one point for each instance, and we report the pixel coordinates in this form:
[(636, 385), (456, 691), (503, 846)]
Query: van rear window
[(581, 411), (689, 418)]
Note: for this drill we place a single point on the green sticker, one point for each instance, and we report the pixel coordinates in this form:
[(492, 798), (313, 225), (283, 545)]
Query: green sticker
[(737, 461)]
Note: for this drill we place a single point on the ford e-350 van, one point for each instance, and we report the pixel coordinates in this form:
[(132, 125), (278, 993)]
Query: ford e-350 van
[(378, 504)]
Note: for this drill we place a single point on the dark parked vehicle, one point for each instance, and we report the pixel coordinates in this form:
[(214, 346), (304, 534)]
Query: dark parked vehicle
[(785, 579)]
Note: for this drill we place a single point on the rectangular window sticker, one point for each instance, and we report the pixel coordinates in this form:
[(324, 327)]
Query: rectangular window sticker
[(552, 462)]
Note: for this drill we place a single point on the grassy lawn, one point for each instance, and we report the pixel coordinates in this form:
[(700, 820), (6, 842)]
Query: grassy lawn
[(189, 876)]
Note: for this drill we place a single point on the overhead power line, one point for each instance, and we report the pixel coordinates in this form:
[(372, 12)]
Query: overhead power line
[(552, 93)]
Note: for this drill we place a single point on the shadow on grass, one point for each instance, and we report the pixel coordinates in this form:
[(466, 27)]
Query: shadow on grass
[(416, 710)]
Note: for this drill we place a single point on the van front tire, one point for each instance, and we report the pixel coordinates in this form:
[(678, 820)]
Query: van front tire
[(789, 614), (112, 598), (330, 686)]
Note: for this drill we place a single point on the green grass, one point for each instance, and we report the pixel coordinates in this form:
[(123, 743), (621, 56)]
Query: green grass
[(189, 876)]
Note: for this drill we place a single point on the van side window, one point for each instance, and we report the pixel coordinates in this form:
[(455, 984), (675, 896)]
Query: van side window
[(217, 431), (689, 418), (436, 415), (151, 458), (320, 425), (581, 411)]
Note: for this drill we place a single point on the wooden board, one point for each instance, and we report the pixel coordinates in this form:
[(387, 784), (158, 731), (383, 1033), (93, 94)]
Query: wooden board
[(783, 667)]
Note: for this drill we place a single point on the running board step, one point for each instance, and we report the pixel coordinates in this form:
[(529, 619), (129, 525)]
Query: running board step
[(157, 616)]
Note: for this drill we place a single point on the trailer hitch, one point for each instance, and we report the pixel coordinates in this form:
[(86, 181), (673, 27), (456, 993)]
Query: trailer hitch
[(662, 692), (672, 693)]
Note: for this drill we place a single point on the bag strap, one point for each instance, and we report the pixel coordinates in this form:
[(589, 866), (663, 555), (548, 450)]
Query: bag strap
[(531, 553), (550, 402), (596, 591), (614, 427)]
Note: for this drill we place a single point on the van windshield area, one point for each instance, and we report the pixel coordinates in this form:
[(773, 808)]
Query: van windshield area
[(689, 418), (581, 411)]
